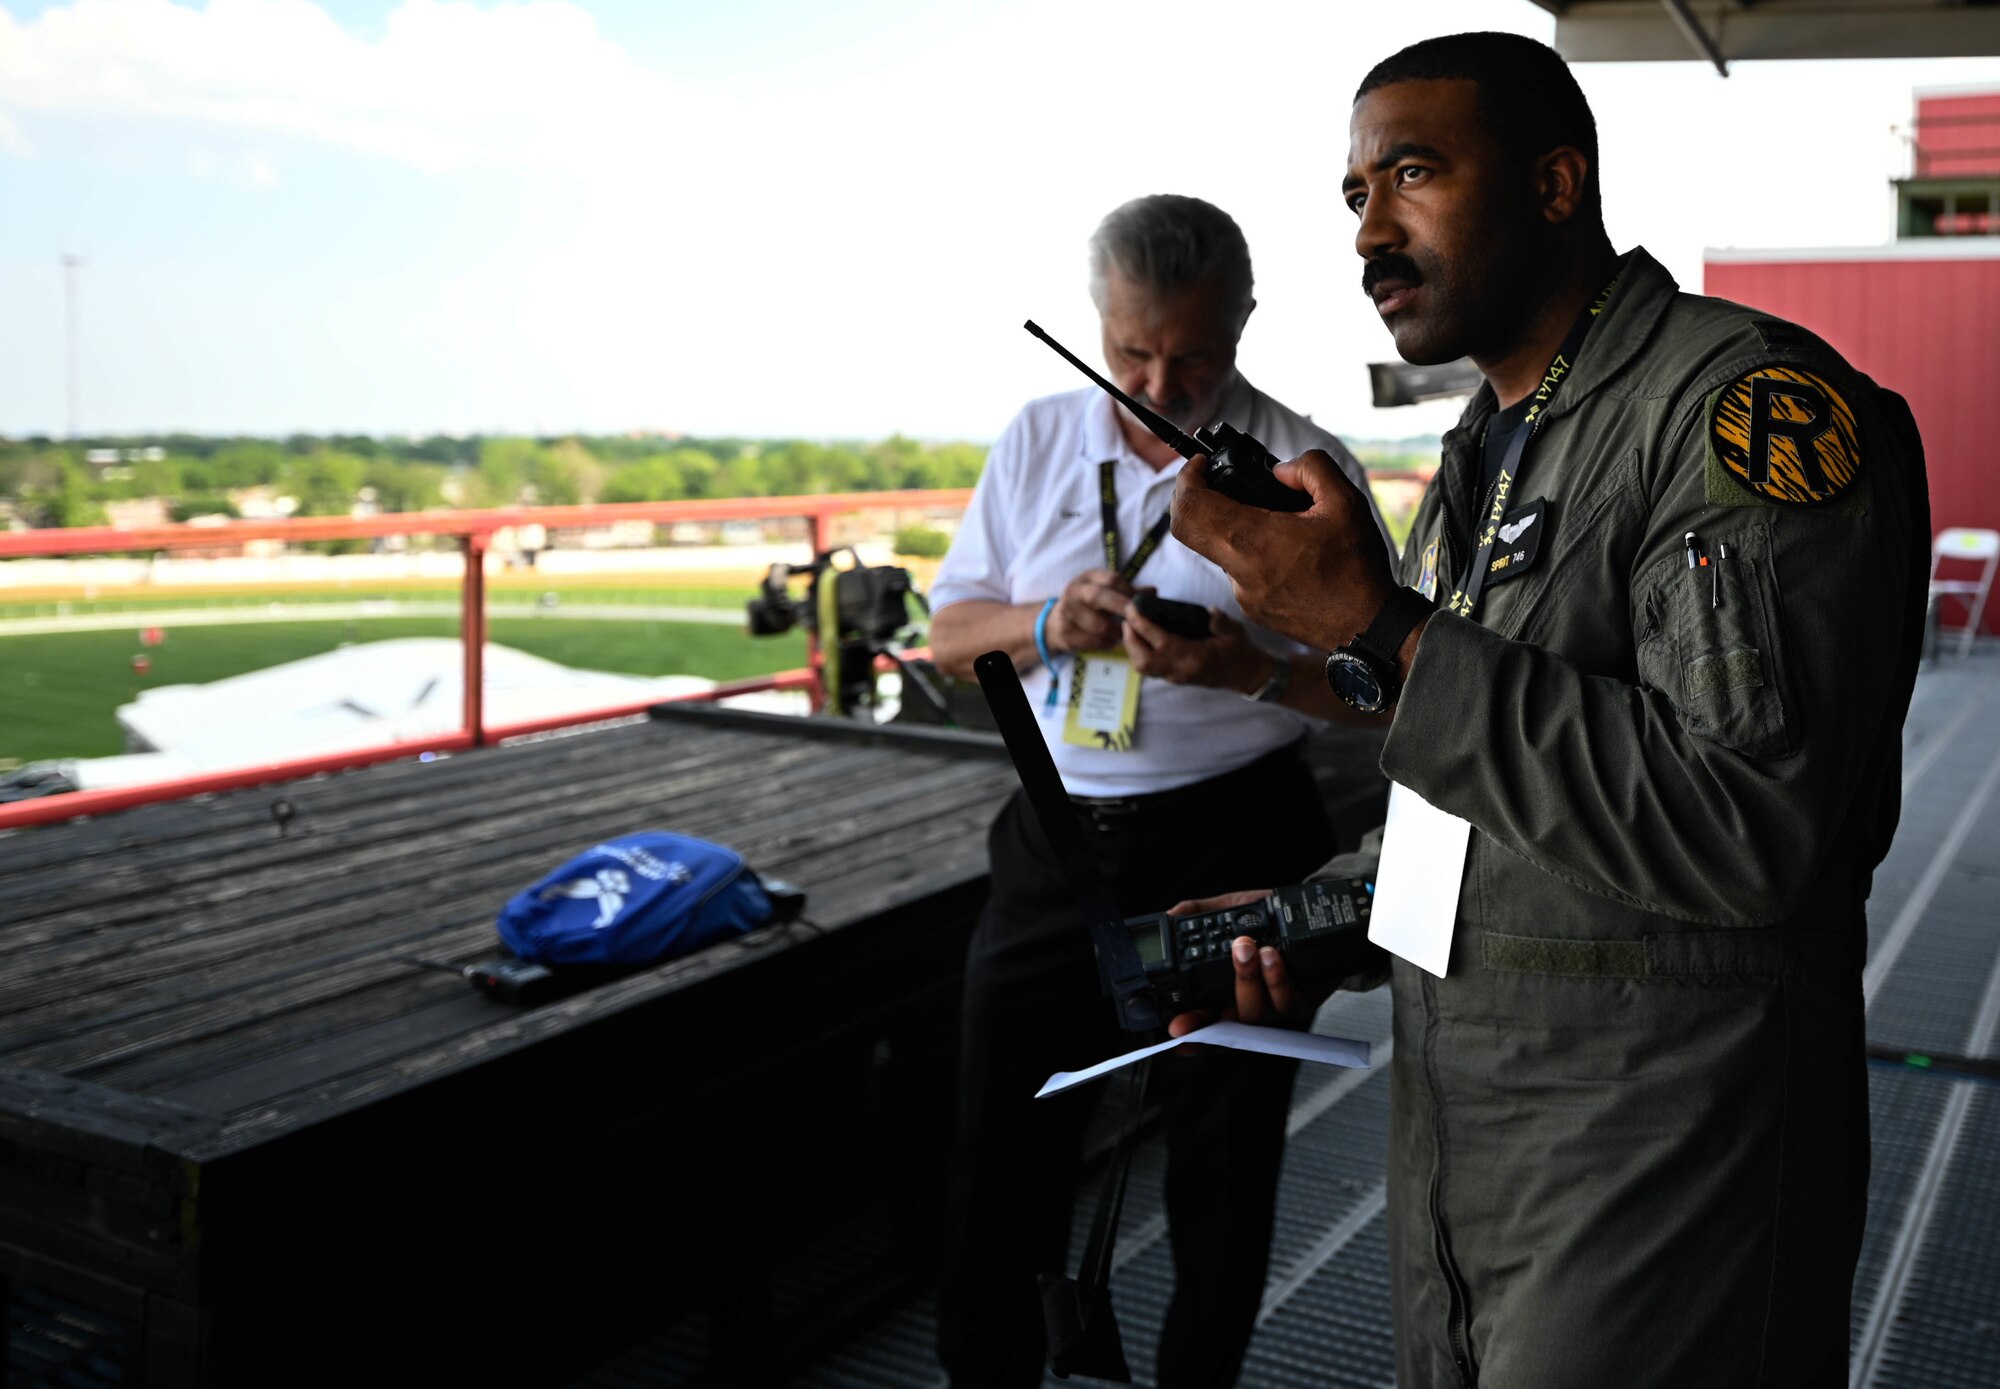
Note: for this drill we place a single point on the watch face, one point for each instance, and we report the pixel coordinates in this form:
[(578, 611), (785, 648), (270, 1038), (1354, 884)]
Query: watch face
[(1355, 681)]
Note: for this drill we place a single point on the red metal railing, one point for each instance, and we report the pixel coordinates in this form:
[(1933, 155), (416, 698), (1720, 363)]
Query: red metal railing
[(474, 531)]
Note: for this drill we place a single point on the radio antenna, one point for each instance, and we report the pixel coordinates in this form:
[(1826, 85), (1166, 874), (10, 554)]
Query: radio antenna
[(1167, 430)]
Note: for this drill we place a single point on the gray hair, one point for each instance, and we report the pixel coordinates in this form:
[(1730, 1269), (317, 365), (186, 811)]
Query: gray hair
[(1168, 242)]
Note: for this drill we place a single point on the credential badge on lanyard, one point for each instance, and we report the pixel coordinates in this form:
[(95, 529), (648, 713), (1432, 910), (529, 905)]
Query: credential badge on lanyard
[(1104, 688)]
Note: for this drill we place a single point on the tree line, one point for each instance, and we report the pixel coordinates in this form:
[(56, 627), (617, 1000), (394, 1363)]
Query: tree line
[(50, 483)]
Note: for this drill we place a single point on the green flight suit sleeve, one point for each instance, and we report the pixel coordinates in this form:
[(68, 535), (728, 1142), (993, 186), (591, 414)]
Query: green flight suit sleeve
[(1717, 785)]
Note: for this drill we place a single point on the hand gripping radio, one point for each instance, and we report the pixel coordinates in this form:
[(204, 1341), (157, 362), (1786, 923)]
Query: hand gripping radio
[(1238, 466), (1154, 966)]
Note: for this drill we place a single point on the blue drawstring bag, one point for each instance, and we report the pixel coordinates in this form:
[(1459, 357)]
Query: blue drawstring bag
[(635, 900)]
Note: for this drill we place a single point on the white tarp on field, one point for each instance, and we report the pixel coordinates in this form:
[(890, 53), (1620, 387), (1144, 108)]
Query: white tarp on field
[(361, 696)]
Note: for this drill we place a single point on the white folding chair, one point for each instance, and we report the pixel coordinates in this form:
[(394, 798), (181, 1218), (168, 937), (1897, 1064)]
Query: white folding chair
[(1963, 544)]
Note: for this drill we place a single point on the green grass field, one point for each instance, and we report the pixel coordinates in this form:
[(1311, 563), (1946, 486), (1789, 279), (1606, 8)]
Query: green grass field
[(58, 692)]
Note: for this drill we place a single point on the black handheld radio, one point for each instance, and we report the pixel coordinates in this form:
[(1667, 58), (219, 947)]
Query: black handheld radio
[(1152, 967), (1238, 466)]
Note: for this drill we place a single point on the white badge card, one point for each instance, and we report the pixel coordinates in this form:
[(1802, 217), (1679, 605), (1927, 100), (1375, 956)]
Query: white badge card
[(1103, 701), (1417, 881)]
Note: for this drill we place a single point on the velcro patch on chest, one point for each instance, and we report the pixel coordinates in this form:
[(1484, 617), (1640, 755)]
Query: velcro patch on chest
[(1518, 541), (1783, 437), (1427, 571)]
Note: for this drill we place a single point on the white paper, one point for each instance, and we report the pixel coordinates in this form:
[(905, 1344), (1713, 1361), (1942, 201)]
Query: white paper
[(1416, 884), (1272, 1041)]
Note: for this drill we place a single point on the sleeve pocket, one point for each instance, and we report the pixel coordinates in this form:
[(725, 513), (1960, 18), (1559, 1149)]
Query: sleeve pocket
[(1708, 641)]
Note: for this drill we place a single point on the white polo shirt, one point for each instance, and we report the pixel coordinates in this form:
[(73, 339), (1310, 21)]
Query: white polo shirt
[(1033, 525)]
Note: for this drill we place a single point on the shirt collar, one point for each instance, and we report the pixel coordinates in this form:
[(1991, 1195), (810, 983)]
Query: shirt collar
[(1102, 438), (1645, 291)]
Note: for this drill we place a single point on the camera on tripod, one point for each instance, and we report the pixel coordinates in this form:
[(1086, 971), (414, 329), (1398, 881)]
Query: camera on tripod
[(858, 612), (870, 601)]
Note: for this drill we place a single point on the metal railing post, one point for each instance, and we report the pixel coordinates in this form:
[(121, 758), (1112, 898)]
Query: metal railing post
[(472, 634), (822, 541)]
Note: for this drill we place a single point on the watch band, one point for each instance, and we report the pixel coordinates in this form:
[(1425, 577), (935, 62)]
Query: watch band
[(1364, 672), (1274, 686), (1385, 636)]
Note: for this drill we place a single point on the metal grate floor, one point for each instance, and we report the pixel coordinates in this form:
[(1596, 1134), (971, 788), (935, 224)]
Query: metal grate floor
[(1927, 1297), (1926, 1309)]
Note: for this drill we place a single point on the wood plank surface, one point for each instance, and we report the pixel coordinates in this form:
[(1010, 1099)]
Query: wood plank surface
[(194, 953), (222, 1084)]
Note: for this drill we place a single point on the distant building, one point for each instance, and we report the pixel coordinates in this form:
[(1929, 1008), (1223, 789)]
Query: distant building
[(1954, 183), (617, 535), (110, 458), (140, 513), (262, 503)]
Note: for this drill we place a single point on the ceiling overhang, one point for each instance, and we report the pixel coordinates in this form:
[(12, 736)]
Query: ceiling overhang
[(1726, 31)]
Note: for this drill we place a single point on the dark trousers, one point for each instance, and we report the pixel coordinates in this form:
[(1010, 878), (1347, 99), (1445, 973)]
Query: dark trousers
[(1032, 1007)]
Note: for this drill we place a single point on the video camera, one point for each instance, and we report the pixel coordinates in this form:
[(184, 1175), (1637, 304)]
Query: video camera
[(869, 603), (1153, 967), (860, 612)]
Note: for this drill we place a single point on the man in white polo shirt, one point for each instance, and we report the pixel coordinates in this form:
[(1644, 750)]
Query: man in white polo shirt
[(1186, 761)]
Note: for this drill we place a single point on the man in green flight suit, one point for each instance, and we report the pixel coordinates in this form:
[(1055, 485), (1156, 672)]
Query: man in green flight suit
[(1654, 638)]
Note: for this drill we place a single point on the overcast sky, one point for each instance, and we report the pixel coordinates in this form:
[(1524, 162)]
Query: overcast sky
[(766, 217)]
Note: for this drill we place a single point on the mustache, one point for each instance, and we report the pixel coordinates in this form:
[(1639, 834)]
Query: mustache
[(1390, 265), (1178, 403)]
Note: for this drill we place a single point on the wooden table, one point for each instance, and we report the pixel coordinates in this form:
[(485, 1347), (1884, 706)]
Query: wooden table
[(242, 1142)]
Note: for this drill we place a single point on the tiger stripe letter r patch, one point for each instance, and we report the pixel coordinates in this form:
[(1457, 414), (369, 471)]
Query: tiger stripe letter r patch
[(1784, 436)]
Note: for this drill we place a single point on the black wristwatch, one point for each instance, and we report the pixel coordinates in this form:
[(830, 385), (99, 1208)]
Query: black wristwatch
[(1363, 672)]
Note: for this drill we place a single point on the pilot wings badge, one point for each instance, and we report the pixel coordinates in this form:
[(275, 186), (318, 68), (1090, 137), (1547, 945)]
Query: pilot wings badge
[(1518, 542)]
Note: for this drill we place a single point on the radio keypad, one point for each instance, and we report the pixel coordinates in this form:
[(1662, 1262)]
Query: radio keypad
[(1209, 937)]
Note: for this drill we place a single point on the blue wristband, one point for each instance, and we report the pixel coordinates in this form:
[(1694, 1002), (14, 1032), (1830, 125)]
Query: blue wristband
[(1042, 645), (1042, 631)]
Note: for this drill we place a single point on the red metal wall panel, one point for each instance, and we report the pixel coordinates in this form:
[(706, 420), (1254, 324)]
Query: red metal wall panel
[(1958, 136), (1926, 328)]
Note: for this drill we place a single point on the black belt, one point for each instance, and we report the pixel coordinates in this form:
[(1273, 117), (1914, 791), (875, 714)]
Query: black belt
[(1270, 767)]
